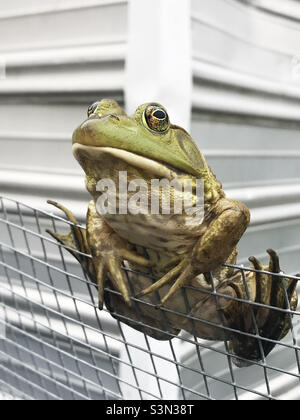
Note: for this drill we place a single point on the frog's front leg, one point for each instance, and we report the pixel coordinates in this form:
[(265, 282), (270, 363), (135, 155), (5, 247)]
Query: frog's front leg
[(228, 221), (108, 252), (99, 250)]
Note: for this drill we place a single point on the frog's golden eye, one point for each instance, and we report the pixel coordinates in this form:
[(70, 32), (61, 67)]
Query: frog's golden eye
[(157, 118), (92, 108)]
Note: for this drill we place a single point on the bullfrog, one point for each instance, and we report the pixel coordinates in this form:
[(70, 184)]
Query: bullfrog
[(154, 269)]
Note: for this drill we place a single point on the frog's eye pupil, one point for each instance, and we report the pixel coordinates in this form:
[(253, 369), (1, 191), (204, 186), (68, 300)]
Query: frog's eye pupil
[(159, 114)]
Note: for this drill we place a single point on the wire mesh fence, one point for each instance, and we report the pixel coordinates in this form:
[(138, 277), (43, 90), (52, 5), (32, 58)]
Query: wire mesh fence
[(55, 343)]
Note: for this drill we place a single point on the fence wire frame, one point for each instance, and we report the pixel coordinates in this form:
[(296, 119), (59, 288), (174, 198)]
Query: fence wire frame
[(41, 377)]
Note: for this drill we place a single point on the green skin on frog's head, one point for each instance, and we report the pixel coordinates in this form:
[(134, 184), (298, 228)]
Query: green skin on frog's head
[(146, 140)]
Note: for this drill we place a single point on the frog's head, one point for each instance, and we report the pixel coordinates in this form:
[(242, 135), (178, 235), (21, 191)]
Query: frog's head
[(147, 141)]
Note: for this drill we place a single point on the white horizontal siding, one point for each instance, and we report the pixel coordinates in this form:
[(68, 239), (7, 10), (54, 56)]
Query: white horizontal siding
[(65, 27), (287, 9), (34, 7), (251, 27), (51, 78)]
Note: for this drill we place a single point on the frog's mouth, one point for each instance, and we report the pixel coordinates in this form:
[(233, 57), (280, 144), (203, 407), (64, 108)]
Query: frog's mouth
[(100, 154)]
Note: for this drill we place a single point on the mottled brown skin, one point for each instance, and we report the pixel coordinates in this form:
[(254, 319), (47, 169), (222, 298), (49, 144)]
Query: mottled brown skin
[(164, 246)]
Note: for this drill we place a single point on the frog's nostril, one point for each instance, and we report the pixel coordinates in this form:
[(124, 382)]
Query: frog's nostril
[(114, 116), (92, 108)]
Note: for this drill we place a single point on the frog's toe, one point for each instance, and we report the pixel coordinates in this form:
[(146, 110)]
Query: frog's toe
[(66, 240), (75, 241), (167, 278), (77, 237), (270, 320), (118, 279), (182, 273), (186, 275)]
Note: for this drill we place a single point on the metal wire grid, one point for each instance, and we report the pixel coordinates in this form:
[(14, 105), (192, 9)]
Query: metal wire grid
[(55, 344)]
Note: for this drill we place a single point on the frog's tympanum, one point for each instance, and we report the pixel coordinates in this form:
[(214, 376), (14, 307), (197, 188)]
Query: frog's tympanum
[(152, 270)]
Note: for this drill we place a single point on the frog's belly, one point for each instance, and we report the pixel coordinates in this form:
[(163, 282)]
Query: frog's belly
[(159, 232)]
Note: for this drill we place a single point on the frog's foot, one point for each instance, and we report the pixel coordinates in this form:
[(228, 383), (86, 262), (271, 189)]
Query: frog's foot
[(270, 320), (184, 273), (74, 241)]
